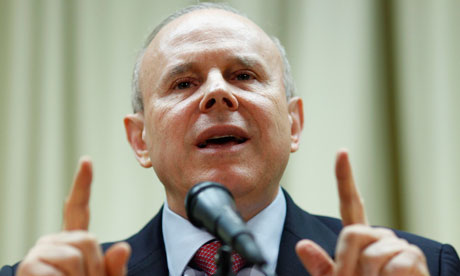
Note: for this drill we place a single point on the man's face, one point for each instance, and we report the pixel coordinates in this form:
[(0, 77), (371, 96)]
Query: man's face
[(215, 108)]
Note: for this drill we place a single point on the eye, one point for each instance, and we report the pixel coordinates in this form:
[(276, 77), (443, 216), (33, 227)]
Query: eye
[(183, 84), (243, 77)]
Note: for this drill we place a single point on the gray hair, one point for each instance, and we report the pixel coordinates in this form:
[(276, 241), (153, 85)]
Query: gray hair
[(137, 100)]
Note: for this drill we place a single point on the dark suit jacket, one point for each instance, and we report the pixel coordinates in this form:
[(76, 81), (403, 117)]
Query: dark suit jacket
[(149, 257)]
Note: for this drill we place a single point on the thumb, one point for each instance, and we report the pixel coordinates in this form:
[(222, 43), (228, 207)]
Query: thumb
[(314, 258), (116, 259)]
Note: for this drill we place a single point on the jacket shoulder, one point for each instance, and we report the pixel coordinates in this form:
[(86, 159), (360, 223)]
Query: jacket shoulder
[(442, 259), (8, 270)]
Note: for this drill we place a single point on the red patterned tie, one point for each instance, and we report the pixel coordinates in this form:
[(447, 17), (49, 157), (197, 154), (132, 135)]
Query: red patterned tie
[(205, 258)]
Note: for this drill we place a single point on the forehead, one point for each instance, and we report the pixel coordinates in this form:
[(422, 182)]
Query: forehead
[(211, 30)]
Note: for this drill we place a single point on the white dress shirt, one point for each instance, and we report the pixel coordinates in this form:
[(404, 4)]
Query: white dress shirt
[(182, 239)]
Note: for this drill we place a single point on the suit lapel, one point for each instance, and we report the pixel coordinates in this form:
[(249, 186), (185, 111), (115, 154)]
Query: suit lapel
[(149, 255), (301, 225), (148, 251)]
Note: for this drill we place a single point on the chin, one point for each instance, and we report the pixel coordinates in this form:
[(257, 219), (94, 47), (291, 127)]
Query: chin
[(238, 184)]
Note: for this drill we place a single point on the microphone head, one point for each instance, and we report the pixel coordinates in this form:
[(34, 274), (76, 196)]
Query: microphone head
[(205, 202), (211, 206)]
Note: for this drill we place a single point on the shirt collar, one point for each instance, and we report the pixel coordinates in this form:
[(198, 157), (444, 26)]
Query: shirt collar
[(182, 239)]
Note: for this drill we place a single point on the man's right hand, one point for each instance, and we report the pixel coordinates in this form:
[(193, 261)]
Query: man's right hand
[(75, 251)]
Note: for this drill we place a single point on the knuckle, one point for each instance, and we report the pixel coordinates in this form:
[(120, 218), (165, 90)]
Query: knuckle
[(368, 256), (414, 249), (384, 232), (410, 262), (32, 267), (74, 259), (403, 241), (91, 237), (81, 235), (400, 267), (46, 239), (89, 240), (36, 251), (417, 252), (25, 267), (351, 233)]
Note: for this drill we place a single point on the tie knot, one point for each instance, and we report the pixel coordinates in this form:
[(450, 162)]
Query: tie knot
[(205, 258)]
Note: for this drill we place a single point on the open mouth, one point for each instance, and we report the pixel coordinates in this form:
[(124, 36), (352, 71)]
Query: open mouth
[(226, 140)]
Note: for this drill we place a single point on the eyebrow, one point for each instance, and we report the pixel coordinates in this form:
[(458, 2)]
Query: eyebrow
[(179, 69), (249, 61)]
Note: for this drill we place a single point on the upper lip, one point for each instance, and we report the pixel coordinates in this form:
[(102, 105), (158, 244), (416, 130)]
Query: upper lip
[(221, 131)]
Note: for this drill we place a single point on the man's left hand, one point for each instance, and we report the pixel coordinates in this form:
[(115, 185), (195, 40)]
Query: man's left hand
[(361, 249)]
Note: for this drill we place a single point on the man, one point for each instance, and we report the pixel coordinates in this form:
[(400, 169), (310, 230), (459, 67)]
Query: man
[(213, 102)]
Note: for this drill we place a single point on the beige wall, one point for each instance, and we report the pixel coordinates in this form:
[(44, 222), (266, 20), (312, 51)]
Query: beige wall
[(378, 78)]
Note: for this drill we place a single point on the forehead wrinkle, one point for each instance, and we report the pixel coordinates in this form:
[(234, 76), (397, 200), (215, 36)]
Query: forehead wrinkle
[(191, 31)]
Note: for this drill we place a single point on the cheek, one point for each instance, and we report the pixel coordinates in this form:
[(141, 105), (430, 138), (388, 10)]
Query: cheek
[(273, 147), (271, 113), (167, 126)]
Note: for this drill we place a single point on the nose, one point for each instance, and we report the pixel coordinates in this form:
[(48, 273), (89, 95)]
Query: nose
[(218, 95)]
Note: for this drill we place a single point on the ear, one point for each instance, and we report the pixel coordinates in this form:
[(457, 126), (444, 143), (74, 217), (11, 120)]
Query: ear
[(295, 109), (134, 126)]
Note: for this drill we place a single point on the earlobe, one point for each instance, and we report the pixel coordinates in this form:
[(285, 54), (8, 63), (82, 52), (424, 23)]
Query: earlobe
[(295, 108), (134, 126)]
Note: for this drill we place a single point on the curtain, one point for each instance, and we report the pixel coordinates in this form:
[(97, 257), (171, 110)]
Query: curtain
[(377, 77)]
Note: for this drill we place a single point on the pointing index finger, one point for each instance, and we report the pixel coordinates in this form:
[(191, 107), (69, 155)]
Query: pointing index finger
[(76, 209), (351, 203)]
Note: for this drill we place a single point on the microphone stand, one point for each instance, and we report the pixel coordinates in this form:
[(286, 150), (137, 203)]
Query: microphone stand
[(224, 261)]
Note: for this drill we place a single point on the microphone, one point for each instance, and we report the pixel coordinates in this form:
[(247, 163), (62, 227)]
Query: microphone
[(211, 206)]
